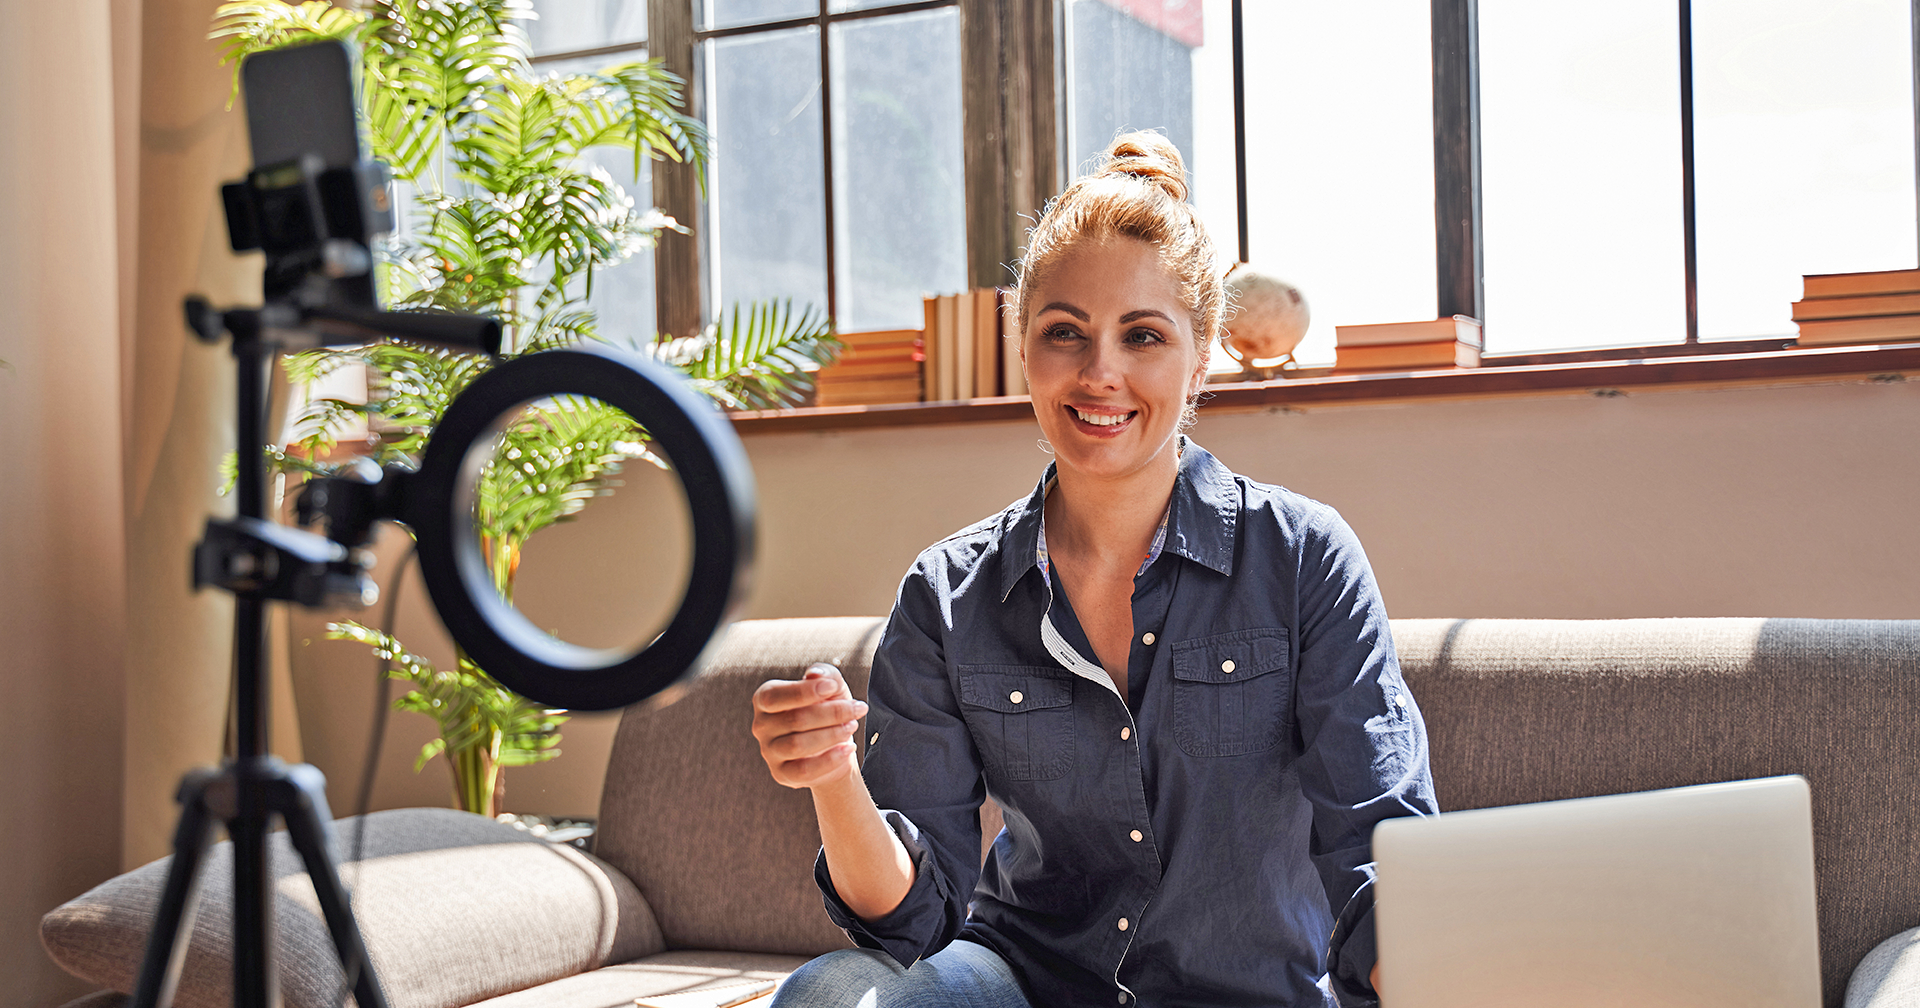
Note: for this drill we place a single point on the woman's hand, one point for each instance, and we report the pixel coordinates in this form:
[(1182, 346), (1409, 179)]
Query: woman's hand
[(805, 727)]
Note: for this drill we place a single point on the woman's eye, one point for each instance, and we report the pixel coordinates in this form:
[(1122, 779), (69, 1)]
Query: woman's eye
[(1061, 332), (1145, 336)]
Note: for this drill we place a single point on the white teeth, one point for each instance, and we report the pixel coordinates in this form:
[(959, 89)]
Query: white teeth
[(1103, 419)]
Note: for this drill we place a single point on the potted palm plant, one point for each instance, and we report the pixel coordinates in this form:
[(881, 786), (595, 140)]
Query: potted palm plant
[(508, 219)]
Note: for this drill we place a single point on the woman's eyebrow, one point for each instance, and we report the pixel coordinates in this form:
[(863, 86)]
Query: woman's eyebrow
[(1069, 309), (1144, 313)]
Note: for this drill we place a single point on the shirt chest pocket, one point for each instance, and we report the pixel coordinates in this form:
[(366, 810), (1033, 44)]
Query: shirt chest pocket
[(1232, 693), (1021, 718)]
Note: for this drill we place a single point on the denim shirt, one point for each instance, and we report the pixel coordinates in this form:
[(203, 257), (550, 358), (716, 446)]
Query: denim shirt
[(1205, 841)]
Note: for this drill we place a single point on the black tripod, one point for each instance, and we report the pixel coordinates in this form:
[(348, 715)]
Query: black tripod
[(256, 560)]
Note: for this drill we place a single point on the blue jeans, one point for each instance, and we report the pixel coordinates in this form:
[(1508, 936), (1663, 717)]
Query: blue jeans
[(962, 975)]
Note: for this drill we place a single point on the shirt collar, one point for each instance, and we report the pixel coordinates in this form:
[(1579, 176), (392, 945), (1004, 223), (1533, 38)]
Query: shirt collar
[(1201, 521)]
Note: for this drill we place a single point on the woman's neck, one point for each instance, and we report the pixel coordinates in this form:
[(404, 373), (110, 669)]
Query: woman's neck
[(1109, 521)]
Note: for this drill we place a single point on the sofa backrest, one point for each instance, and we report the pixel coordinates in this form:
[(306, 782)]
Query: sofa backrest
[(1517, 711), (722, 853), (1536, 710)]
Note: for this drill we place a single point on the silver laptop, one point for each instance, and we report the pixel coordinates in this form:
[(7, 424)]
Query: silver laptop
[(1697, 896)]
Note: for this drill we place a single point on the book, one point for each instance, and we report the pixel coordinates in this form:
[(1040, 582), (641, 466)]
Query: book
[(1850, 284), (878, 337), (1873, 329), (867, 392), (1406, 356), (1456, 328), (1855, 307), (914, 350), (963, 354), (725, 996), (873, 367), (945, 341), (986, 342), (1013, 376), (929, 363), (904, 367)]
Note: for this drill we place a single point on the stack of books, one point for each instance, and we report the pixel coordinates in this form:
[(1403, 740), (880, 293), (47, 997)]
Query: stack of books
[(1881, 307), (873, 367), (1407, 346), (966, 352)]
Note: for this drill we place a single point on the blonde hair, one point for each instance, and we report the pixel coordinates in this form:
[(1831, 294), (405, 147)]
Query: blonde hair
[(1139, 191)]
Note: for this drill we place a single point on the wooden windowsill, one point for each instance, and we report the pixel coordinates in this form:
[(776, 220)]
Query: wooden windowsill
[(1492, 379)]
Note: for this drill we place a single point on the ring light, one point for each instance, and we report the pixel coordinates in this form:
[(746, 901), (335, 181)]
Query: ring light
[(713, 470)]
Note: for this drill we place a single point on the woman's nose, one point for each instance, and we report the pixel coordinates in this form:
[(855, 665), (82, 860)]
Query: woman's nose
[(1102, 370)]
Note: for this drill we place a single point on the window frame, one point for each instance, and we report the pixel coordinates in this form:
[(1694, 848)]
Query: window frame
[(1013, 92)]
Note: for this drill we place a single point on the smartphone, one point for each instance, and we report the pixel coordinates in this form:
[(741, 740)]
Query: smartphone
[(302, 100)]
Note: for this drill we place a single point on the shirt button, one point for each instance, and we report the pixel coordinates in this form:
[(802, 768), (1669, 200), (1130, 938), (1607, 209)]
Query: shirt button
[(875, 740), (1123, 923), (1227, 666), (1123, 997), (1400, 699), (1016, 696), (1125, 734), (1136, 835), (1147, 639)]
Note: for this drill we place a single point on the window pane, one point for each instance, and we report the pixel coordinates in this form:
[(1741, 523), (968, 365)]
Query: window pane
[(1803, 151), (1164, 65), (709, 14), (899, 191), (766, 221), (622, 295), (566, 25), (1580, 140), (1340, 159), (1130, 67), (836, 6)]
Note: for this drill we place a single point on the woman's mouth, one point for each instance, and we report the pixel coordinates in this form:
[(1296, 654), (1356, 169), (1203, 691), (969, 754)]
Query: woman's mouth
[(1104, 423)]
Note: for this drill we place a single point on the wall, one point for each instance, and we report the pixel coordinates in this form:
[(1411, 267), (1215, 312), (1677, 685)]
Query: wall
[(1768, 501), (114, 136), (62, 611)]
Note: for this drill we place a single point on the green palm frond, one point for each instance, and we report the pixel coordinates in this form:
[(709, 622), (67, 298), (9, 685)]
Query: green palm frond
[(471, 708), (653, 104), (551, 461), (510, 219), (250, 26), (756, 356), (562, 327)]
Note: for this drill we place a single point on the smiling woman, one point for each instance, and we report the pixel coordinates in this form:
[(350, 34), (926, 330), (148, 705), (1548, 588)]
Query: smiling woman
[(1177, 683)]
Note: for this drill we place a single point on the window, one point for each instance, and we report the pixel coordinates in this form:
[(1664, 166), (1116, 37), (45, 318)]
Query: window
[(1659, 171), (844, 188), (1631, 174), (576, 36)]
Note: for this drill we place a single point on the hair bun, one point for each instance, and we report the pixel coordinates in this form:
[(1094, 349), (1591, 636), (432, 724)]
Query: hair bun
[(1149, 157)]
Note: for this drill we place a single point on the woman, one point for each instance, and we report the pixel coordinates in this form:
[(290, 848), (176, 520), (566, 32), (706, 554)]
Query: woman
[(1177, 683)]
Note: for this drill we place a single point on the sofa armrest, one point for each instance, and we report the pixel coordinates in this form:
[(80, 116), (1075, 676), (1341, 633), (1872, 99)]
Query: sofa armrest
[(454, 908), (1889, 976)]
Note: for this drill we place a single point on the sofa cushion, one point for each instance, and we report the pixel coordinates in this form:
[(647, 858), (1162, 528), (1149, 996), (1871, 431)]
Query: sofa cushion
[(723, 854), (1536, 710), (453, 907)]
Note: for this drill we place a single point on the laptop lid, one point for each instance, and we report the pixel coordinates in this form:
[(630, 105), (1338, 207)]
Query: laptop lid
[(1698, 896)]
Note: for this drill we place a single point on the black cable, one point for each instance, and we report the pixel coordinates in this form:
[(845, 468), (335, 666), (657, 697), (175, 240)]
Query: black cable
[(383, 688)]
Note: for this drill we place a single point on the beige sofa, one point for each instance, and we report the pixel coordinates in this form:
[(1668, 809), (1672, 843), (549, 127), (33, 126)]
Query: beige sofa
[(701, 875)]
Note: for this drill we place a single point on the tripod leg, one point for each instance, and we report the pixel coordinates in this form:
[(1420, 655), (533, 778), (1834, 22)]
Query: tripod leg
[(301, 800), (173, 920)]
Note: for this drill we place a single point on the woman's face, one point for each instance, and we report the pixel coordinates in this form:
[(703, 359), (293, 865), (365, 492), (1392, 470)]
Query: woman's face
[(1110, 356)]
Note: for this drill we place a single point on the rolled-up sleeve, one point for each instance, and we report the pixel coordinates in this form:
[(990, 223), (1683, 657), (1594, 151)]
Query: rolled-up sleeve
[(1363, 743), (925, 775)]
